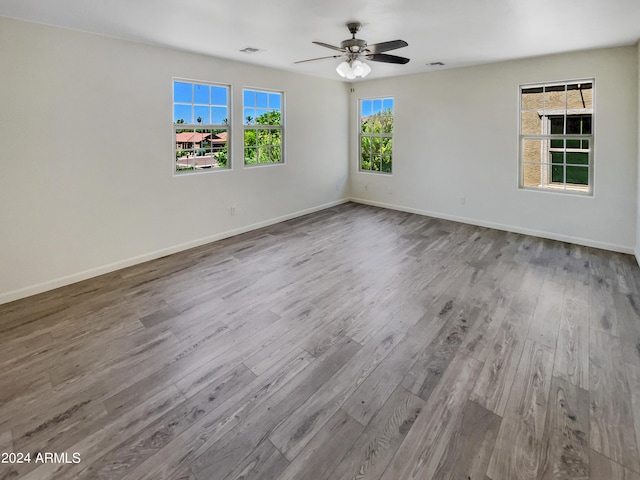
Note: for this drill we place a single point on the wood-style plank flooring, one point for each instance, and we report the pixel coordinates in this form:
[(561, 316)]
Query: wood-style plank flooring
[(353, 343)]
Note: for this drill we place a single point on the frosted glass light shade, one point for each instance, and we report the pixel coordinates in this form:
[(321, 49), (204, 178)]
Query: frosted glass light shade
[(351, 70), (366, 70), (343, 69)]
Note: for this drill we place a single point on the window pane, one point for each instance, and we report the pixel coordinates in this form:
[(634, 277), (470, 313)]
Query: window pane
[(365, 145), (263, 155), (250, 138), (262, 117), (554, 97), (367, 124), (219, 148), (579, 95), (557, 143), (532, 151), (377, 106), (274, 155), (531, 123), (556, 124), (376, 161), (532, 98), (249, 98), (262, 99), (182, 92), (557, 157), (249, 116), (219, 115), (579, 124), (578, 175), (532, 174), (386, 164), (263, 137), (202, 114), (201, 94), (182, 114), (276, 137), (365, 161), (578, 158), (366, 109), (275, 100), (557, 173), (250, 156), (375, 145), (386, 146), (218, 95), (387, 105)]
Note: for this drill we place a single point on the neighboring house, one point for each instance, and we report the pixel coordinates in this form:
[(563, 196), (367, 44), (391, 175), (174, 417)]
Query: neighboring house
[(191, 140), (196, 140), (218, 141)]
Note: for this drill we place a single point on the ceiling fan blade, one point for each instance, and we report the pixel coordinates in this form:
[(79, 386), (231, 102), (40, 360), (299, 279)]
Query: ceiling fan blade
[(386, 46), (329, 46), (319, 58), (383, 57)]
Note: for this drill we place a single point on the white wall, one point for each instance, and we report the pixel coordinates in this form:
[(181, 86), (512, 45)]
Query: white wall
[(87, 182), (456, 135)]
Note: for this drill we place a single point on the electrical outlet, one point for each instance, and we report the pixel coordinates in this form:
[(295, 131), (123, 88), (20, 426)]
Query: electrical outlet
[(366, 187), (232, 210), (462, 200)]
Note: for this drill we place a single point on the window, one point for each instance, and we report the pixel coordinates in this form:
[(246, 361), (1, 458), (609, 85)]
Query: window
[(200, 126), (376, 135), (556, 137), (263, 127)]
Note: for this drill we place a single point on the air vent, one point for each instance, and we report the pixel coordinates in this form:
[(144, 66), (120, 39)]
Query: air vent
[(251, 50), (436, 64)]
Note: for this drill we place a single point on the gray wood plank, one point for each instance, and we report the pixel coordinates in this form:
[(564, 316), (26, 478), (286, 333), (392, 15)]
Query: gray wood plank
[(498, 373), (517, 450), (565, 452), (605, 468), (222, 457), (572, 354), (612, 431), (374, 449), (425, 444), (468, 453), (325, 450), (295, 432), (265, 462)]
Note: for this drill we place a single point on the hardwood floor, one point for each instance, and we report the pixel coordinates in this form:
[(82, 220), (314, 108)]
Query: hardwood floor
[(353, 343)]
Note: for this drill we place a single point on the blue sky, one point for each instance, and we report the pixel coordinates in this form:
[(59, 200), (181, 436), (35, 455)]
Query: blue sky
[(371, 107), (209, 102)]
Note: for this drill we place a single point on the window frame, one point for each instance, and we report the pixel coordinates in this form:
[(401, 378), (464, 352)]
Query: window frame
[(546, 138), (201, 126), (255, 126), (362, 135)]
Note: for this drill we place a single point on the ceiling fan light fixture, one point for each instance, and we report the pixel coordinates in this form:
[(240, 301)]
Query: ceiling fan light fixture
[(343, 69), (366, 70)]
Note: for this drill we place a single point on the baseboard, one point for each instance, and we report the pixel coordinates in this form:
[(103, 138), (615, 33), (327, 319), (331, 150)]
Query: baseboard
[(94, 272), (507, 228)]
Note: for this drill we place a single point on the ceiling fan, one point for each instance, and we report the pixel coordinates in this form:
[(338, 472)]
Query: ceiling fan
[(354, 50)]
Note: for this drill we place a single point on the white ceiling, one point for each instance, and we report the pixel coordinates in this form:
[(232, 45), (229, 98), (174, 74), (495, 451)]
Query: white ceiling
[(456, 32)]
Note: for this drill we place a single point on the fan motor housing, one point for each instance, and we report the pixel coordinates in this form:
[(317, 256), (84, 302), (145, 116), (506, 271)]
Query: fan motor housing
[(353, 45)]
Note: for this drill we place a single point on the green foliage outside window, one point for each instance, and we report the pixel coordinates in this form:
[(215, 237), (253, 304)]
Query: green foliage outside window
[(263, 145), (376, 142)]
